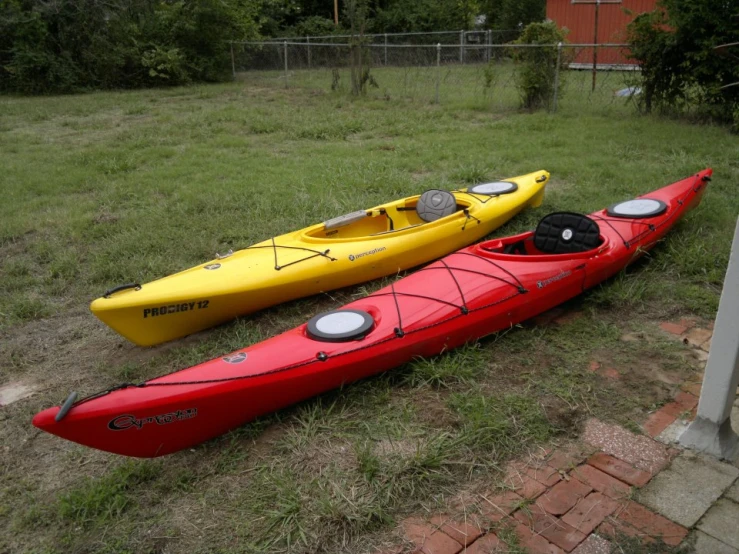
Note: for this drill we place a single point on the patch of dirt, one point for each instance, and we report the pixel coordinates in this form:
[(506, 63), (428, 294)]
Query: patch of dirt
[(432, 409), (13, 392), (321, 454), (105, 217), (566, 418), (403, 448)]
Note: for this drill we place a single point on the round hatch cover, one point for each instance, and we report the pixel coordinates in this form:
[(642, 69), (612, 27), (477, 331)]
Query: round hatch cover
[(637, 208), (340, 325), (493, 189)]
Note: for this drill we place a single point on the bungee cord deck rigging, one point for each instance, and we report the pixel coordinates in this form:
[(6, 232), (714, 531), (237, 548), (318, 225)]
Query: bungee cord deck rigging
[(343, 251), (478, 290)]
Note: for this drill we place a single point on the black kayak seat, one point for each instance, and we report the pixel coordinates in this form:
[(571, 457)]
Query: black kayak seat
[(566, 233)]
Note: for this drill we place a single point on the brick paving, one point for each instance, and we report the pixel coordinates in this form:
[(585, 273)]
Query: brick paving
[(578, 499), (568, 502)]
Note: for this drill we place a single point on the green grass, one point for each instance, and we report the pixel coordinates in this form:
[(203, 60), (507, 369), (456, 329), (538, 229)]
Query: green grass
[(108, 188)]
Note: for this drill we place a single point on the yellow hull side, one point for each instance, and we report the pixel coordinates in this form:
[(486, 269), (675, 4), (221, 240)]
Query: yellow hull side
[(311, 261)]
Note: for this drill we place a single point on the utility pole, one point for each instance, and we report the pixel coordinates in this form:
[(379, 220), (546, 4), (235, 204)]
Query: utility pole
[(595, 43), (336, 12)]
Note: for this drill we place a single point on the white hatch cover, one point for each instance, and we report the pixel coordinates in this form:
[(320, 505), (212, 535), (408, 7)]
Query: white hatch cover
[(495, 188), (637, 208), (340, 325)]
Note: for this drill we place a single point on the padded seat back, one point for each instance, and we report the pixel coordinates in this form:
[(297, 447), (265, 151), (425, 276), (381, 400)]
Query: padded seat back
[(435, 204), (565, 233)]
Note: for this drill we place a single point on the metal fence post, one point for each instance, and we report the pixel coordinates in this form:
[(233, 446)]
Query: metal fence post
[(385, 48), (285, 44), (438, 69), (488, 42), (461, 46), (233, 61), (556, 76), (711, 431), (307, 40)]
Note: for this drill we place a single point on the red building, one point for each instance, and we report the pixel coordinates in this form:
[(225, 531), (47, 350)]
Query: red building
[(579, 16)]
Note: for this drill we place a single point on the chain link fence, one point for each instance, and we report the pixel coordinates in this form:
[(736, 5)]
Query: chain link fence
[(461, 38), (441, 73)]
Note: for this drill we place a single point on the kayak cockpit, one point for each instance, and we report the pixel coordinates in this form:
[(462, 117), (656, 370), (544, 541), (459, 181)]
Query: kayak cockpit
[(432, 206), (559, 233)]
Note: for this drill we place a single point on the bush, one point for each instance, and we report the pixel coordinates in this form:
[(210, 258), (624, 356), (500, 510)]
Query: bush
[(675, 46), (74, 45), (536, 67)]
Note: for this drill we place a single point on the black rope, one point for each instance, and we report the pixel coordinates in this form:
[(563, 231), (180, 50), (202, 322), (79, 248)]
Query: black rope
[(274, 248), (108, 391), (482, 199), (626, 244), (421, 296), (384, 212), (464, 309), (399, 332), (650, 226), (520, 287), (322, 356), (473, 271), (399, 329), (468, 216)]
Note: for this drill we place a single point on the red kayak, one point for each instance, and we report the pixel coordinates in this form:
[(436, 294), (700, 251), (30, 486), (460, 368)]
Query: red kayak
[(469, 294)]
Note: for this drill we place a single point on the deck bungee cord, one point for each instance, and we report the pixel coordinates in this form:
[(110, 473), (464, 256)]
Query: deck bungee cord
[(399, 330), (474, 292), (651, 227), (362, 245), (321, 356), (275, 246)]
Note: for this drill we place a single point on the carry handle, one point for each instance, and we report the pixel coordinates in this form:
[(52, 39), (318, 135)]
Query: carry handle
[(68, 403), (119, 288)]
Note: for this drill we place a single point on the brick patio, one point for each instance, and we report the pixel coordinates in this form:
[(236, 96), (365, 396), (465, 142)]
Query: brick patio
[(578, 499)]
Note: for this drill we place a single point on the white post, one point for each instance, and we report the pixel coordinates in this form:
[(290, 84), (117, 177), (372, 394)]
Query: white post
[(556, 76), (285, 44), (233, 61), (711, 430), (438, 69)]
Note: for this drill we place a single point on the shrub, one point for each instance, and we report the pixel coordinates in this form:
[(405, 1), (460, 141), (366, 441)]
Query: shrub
[(681, 68), (73, 45), (536, 67)]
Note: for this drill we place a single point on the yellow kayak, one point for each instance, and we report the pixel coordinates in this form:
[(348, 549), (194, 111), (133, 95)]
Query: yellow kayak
[(343, 251)]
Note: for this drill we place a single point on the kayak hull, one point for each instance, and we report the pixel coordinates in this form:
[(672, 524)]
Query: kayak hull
[(473, 292), (307, 262)]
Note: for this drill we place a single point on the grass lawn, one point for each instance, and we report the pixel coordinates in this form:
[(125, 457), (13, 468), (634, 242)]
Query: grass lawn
[(107, 188)]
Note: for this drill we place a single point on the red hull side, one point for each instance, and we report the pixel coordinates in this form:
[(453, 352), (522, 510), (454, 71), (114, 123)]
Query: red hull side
[(474, 292)]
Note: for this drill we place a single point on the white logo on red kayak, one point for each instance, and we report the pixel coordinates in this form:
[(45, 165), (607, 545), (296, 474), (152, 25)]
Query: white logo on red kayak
[(127, 421), (545, 282), (353, 257), (235, 358)]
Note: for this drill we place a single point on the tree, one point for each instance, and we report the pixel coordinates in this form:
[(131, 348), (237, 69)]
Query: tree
[(513, 14), (675, 45), (72, 45)]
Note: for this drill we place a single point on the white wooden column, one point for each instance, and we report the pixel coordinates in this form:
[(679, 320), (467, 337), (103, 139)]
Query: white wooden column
[(711, 430)]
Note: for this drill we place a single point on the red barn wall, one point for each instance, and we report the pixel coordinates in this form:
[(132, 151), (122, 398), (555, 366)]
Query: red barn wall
[(613, 18)]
